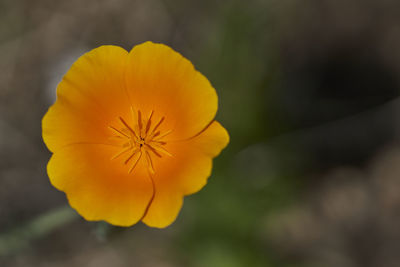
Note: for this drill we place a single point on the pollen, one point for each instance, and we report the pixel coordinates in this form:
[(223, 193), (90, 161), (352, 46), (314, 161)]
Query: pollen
[(139, 138)]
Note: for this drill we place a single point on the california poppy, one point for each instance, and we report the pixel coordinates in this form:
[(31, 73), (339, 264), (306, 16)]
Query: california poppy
[(132, 133)]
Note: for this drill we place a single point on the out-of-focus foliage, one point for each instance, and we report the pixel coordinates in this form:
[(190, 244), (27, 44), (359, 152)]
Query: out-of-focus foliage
[(307, 90)]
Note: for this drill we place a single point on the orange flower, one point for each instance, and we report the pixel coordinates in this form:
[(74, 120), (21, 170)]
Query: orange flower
[(132, 133)]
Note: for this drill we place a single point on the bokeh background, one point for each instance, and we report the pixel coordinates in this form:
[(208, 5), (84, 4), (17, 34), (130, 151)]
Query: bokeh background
[(307, 89)]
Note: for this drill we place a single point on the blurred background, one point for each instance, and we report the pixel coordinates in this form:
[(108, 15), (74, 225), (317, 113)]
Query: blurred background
[(308, 91)]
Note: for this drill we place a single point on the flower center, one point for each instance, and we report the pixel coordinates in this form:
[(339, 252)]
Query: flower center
[(140, 139)]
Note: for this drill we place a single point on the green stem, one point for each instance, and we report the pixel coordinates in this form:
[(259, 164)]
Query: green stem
[(20, 237)]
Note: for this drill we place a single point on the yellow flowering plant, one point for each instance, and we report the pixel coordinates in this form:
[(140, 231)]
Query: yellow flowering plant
[(132, 133)]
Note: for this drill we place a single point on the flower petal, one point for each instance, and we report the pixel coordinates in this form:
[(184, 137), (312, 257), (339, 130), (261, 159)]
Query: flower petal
[(91, 94), (100, 188), (183, 174), (160, 79)]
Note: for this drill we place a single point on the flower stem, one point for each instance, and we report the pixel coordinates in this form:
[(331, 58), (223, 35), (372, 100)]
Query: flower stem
[(20, 237)]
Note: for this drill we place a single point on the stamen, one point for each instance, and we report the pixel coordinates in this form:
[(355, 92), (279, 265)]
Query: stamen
[(149, 162), (158, 124), (120, 153), (160, 149), (140, 122), (129, 158), (154, 135), (134, 120), (160, 142), (133, 114), (149, 122), (118, 131), (127, 126), (136, 162), (153, 150), (116, 137), (163, 135)]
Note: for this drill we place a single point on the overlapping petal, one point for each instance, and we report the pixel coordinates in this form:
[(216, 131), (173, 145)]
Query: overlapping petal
[(91, 94), (183, 174), (97, 187), (158, 78)]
